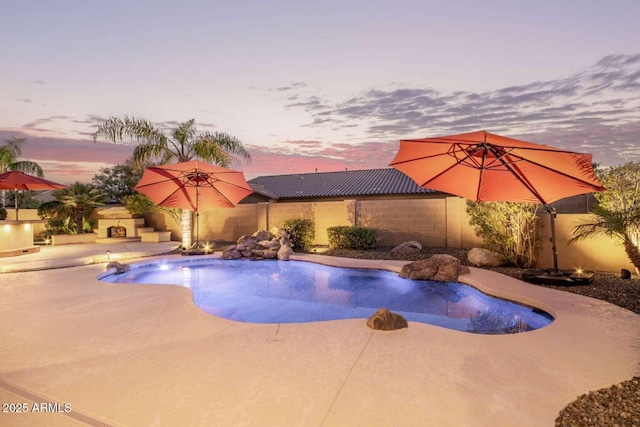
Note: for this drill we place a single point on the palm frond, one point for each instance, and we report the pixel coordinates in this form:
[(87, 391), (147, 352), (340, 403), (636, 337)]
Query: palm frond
[(597, 226), (27, 166), (138, 129), (220, 148)]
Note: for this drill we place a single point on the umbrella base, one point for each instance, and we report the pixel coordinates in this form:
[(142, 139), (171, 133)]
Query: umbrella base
[(559, 278)]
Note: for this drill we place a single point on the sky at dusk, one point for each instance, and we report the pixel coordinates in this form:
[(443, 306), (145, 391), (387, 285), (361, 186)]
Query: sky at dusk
[(319, 85)]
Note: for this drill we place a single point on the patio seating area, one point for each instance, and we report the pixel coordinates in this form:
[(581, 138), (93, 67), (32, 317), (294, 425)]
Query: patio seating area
[(143, 354)]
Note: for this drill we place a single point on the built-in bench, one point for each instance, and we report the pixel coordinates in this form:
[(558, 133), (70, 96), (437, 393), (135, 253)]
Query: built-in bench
[(156, 236)]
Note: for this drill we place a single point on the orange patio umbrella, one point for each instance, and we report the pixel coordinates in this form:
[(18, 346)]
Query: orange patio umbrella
[(20, 181), (482, 166), (193, 185)]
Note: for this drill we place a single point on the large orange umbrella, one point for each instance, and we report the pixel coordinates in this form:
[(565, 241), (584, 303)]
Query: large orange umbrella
[(20, 181), (481, 166), (193, 185)]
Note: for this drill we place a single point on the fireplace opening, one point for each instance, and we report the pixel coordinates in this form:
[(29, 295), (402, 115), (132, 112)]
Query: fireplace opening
[(116, 231)]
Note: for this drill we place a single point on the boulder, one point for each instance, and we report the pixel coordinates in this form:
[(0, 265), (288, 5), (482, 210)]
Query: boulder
[(262, 235), (385, 320), (120, 268), (284, 253), (270, 254), (405, 248), (485, 258), (231, 254), (440, 268)]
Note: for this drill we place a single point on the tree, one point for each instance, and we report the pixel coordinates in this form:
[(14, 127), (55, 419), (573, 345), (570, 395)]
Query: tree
[(507, 228), (617, 213), (182, 144), (9, 154), (118, 182), (79, 199)]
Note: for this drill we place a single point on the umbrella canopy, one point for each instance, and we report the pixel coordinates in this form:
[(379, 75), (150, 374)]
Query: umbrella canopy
[(20, 181), (193, 185), (481, 166)]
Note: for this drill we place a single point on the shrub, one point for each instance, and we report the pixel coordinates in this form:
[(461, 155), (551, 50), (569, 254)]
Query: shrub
[(302, 232), (3, 213), (138, 204), (347, 237), (507, 228)]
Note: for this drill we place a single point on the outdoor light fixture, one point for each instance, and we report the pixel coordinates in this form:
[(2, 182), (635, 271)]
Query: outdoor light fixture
[(207, 248), (47, 241), (108, 254)]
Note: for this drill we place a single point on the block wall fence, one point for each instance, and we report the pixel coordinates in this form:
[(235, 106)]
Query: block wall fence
[(434, 222)]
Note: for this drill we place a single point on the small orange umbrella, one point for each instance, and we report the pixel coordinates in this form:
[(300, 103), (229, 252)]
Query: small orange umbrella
[(20, 181), (481, 166), (193, 185)]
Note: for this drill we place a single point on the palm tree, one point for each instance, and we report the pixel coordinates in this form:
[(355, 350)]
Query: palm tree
[(617, 214), (182, 144), (79, 199), (9, 154)]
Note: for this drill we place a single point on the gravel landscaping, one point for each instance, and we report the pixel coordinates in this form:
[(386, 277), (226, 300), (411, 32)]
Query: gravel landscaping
[(618, 405)]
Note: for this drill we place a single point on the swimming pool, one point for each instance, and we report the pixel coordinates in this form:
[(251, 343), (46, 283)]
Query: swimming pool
[(295, 291)]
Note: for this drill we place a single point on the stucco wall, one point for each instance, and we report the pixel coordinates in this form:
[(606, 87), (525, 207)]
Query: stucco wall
[(593, 254)]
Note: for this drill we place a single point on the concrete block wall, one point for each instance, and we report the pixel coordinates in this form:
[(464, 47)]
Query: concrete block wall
[(227, 224), (433, 222), (400, 220)]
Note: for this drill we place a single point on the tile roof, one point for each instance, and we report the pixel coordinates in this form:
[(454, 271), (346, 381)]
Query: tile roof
[(367, 182)]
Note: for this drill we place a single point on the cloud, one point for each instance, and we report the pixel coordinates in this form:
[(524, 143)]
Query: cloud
[(598, 105), (24, 100)]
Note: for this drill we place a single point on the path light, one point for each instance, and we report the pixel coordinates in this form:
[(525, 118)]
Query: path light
[(108, 254), (207, 248)]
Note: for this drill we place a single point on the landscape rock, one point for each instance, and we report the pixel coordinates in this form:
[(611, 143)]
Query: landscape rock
[(385, 320), (284, 253), (485, 258), (440, 268), (120, 268), (262, 244), (406, 248), (262, 235)]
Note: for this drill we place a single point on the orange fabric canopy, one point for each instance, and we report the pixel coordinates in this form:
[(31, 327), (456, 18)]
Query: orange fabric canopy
[(481, 166), (193, 185)]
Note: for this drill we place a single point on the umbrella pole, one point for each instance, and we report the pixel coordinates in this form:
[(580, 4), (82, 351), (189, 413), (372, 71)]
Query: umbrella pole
[(552, 217), (16, 203)]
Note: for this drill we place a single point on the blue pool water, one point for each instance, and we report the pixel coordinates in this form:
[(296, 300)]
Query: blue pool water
[(295, 291)]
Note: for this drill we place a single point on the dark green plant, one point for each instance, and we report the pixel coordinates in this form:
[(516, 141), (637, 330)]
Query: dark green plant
[(57, 216), (138, 204), (3, 213), (118, 181), (302, 232), (507, 228), (348, 237), (78, 200)]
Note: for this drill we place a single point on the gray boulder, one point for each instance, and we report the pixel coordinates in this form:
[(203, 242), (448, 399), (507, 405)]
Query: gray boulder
[(440, 268), (262, 235), (485, 258), (120, 268), (406, 248)]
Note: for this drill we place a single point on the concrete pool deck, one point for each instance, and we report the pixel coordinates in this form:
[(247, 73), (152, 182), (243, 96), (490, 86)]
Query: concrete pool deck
[(132, 355)]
